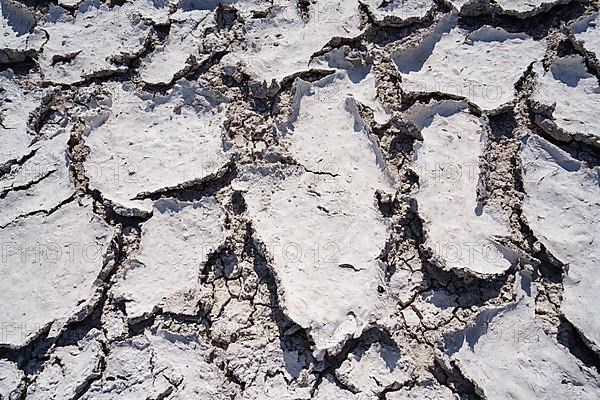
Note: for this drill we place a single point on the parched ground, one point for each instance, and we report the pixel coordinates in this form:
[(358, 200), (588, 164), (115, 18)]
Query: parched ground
[(311, 199)]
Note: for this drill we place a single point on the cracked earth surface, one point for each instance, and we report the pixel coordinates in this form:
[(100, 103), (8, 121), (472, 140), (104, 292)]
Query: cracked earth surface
[(311, 199)]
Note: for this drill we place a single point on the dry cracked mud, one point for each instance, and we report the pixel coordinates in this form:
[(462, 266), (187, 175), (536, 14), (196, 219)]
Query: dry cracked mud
[(299, 199)]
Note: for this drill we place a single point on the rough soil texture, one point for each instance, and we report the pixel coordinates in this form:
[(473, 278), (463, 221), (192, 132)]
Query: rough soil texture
[(311, 199)]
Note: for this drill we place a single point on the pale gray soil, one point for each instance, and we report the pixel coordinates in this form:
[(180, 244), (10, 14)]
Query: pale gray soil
[(312, 199)]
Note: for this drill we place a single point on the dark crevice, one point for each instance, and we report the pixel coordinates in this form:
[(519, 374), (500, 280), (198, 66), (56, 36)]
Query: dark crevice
[(503, 125), (46, 212), (569, 336), (196, 190), (8, 165), (471, 289), (226, 17), (30, 357), (538, 26), (453, 379), (304, 8), (27, 185), (370, 336), (409, 99), (290, 333), (383, 35), (579, 150)]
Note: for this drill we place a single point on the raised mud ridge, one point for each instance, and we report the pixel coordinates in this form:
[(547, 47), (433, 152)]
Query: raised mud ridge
[(311, 199)]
